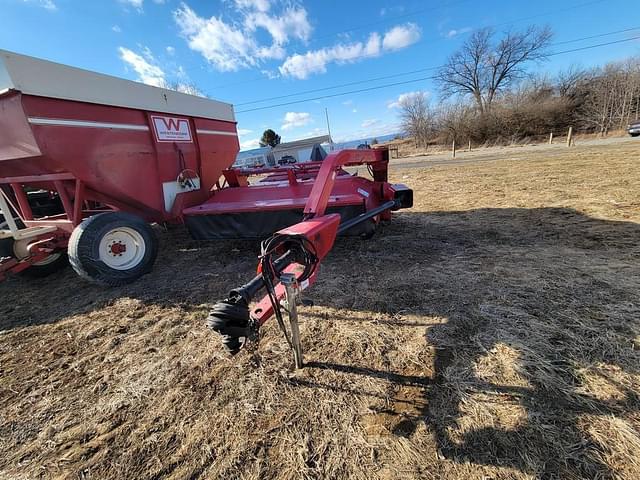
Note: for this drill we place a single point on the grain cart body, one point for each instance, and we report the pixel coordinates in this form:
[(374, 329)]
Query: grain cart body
[(126, 142), (101, 146)]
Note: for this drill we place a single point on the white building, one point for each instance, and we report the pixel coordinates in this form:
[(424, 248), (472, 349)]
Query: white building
[(305, 150), (302, 150), (257, 157)]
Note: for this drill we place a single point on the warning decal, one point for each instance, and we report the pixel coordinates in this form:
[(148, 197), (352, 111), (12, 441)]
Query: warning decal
[(171, 129)]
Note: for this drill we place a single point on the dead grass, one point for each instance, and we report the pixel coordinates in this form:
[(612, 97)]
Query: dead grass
[(490, 332), (407, 147)]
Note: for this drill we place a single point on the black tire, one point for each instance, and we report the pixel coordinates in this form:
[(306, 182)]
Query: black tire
[(6, 247), (34, 271), (46, 269), (84, 246)]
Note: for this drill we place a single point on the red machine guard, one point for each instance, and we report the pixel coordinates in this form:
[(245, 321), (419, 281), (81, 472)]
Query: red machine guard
[(320, 229)]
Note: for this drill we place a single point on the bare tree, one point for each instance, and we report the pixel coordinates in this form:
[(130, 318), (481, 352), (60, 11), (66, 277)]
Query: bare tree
[(456, 121), (482, 68), (611, 96), (416, 118), (568, 81)]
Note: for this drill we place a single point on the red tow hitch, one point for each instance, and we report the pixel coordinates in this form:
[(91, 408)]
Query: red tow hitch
[(289, 260)]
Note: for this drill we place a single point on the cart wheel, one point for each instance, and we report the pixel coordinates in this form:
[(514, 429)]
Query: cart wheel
[(54, 262), (6, 247), (113, 248), (10, 248)]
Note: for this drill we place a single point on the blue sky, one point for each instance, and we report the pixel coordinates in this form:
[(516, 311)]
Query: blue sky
[(244, 50)]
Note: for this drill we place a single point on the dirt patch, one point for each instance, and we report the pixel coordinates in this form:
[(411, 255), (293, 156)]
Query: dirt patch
[(490, 332)]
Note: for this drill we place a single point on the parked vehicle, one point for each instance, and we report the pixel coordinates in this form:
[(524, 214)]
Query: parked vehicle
[(287, 160), (634, 128)]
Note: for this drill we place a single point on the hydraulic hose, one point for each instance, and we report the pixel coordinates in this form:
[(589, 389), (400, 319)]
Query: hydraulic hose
[(231, 318)]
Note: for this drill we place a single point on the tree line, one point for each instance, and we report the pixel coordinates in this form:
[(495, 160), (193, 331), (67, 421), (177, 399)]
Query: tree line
[(491, 91)]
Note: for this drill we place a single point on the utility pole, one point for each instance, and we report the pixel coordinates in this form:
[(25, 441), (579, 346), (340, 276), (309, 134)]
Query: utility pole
[(326, 112)]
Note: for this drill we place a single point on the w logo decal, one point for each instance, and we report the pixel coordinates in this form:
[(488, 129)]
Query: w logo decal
[(171, 129)]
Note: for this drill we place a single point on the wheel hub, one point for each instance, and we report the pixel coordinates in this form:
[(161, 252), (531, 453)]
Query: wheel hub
[(122, 248), (118, 248)]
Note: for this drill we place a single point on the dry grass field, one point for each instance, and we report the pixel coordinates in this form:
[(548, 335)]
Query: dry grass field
[(491, 332)]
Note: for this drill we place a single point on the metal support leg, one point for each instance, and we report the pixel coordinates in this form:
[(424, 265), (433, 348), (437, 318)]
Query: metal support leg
[(291, 296), (7, 213)]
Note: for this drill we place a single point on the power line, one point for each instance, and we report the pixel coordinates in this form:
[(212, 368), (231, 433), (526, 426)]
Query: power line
[(378, 87), (596, 36), (337, 94), (594, 46), (336, 86), (365, 56), (402, 74)]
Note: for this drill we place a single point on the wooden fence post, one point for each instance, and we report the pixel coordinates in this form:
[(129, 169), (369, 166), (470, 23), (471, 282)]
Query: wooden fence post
[(570, 136), (453, 149), (469, 145)]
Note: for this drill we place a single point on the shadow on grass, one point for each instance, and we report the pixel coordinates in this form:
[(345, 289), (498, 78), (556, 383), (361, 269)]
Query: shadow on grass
[(557, 287)]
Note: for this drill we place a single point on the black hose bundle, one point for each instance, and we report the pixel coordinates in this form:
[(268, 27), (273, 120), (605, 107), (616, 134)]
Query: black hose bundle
[(230, 317)]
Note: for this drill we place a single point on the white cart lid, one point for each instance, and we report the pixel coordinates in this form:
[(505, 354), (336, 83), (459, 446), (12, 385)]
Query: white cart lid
[(33, 76)]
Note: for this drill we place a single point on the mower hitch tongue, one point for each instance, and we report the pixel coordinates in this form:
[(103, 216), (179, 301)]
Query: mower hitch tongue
[(289, 259)]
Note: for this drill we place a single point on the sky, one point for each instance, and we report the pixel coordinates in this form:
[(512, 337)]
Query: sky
[(247, 51)]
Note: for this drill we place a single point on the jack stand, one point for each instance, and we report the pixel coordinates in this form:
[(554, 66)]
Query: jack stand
[(291, 296)]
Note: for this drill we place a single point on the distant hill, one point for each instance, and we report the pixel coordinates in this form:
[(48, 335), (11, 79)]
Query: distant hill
[(355, 143)]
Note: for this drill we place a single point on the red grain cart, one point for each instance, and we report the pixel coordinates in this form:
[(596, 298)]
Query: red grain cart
[(87, 161)]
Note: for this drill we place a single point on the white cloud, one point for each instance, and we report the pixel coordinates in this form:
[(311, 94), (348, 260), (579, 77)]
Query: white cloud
[(391, 10), (296, 119), (116, 28), (405, 96), (137, 4), (369, 122), (301, 66), (355, 110), (230, 46), (292, 23), (171, 50), (348, 102), (401, 36), (250, 144), (244, 131), (260, 5), (144, 65), (316, 132), (460, 31), (316, 61), (270, 74), (46, 4), (221, 44)]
